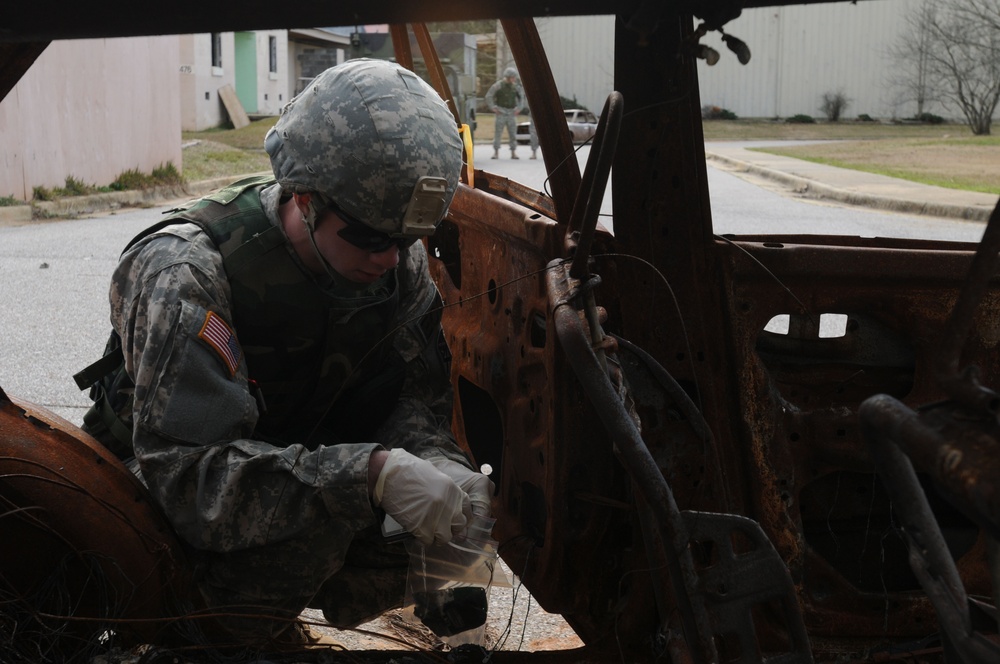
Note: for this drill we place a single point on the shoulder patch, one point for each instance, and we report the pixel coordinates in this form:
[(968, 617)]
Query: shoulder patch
[(219, 336)]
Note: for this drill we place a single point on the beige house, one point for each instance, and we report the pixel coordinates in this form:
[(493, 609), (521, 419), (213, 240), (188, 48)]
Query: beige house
[(91, 109), (254, 64)]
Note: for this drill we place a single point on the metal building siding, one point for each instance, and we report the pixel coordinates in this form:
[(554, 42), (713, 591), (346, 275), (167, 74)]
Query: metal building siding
[(802, 52), (581, 54), (799, 53)]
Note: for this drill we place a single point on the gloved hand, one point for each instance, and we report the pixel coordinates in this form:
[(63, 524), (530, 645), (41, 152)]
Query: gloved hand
[(478, 486), (424, 500)]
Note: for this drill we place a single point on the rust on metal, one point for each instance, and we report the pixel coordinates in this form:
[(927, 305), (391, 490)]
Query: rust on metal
[(84, 545)]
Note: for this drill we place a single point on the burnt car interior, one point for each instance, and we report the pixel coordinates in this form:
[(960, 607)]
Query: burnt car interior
[(674, 477)]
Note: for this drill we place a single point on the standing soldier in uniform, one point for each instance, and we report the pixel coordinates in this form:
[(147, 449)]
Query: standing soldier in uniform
[(291, 380), (506, 99)]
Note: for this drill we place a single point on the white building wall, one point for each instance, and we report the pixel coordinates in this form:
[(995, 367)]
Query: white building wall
[(91, 109), (200, 81), (272, 87)]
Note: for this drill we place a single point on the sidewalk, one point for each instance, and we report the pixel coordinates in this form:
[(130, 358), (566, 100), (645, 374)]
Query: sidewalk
[(851, 187)]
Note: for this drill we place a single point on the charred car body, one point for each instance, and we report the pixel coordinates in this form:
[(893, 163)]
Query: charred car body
[(675, 480)]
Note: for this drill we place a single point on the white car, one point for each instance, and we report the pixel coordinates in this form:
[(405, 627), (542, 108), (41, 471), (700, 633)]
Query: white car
[(582, 125)]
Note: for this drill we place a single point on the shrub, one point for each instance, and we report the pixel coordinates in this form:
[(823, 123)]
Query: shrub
[(717, 113), (41, 194), (74, 187), (8, 201), (801, 118), (833, 105), (864, 117), (167, 174), (569, 104), (929, 118), (133, 178)]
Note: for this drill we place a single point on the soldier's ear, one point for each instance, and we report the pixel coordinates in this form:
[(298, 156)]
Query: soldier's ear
[(302, 201)]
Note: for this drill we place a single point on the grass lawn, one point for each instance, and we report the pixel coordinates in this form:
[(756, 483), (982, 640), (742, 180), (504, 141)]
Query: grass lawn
[(954, 161), (945, 155)]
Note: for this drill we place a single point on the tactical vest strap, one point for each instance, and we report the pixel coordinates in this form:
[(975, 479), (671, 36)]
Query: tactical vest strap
[(102, 422), (98, 370)]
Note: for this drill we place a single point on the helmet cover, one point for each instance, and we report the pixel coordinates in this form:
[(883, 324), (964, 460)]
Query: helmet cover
[(362, 134)]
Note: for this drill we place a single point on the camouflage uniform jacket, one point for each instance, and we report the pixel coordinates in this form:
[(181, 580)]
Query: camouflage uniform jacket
[(229, 476)]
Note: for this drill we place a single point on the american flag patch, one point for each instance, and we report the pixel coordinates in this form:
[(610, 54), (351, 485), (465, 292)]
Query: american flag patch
[(217, 334)]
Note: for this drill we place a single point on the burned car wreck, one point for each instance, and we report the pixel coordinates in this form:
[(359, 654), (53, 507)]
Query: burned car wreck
[(676, 481)]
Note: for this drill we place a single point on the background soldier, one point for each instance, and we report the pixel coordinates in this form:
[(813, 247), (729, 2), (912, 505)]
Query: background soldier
[(506, 99)]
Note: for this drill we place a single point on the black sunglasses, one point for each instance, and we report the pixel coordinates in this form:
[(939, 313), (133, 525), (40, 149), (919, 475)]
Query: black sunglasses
[(364, 237)]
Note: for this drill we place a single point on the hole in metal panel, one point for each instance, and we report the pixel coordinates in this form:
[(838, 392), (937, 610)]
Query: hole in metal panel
[(777, 325), (444, 246), (483, 425), (832, 326)]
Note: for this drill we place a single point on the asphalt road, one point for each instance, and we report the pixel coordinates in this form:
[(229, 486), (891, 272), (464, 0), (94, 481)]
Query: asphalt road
[(54, 275)]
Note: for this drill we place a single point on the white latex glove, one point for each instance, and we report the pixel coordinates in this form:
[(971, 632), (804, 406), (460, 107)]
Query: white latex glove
[(478, 486), (425, 501)]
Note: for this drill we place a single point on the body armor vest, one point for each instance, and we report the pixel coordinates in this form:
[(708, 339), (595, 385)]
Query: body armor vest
[(314, 359), (506, 95)]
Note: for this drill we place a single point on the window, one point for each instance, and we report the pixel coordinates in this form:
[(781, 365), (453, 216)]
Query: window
[(217, 49), (272, 49)]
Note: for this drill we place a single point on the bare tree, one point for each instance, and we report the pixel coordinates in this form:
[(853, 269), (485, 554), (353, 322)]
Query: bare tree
[(952, 51), (912, 53)]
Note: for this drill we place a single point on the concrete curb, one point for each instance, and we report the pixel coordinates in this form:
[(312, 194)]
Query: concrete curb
[(815, 189), (74, 206)]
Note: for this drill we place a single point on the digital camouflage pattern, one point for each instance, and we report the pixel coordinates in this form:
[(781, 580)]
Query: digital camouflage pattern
[(361, 134), (270, 518)]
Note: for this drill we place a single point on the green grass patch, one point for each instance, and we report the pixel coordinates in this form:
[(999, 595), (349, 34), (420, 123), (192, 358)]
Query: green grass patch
[(250, 137), (772, 130), (983, 183), (208, 159)]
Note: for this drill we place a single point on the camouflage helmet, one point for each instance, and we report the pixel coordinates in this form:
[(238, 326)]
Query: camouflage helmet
[(369, 136), (509, 72)]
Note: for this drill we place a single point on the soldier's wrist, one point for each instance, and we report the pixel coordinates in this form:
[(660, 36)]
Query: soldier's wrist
[(375, 463)]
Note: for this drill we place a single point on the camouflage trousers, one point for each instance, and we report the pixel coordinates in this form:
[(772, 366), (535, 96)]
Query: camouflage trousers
[(508, 120), (257, 594)]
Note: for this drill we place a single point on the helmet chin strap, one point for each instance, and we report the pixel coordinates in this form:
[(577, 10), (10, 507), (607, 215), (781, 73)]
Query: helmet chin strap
[(310, 223)]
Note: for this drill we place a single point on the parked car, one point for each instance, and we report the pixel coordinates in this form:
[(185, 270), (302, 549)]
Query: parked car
[(582, 125)]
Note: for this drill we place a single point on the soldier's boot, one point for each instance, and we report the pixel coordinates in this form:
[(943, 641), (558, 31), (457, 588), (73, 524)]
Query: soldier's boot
[(496, 154), (513, 154)]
